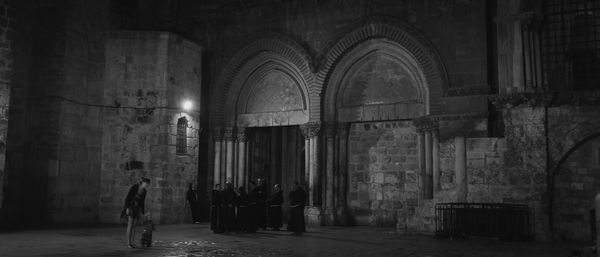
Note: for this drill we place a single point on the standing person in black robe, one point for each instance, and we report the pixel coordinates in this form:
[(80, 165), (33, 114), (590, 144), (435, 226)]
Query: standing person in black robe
[(297, 203), (251, 225), (243, 211), (260, 194), (228, 199), (193, 198), (275, 201), (215, 208)]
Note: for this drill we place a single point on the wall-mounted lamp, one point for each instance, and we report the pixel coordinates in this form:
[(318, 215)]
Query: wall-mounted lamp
[(187, 105)]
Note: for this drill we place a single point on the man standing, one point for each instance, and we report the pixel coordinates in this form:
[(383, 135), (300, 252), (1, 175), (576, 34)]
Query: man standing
[(297, 203), (193, 198), (275, 202), (260, 195), (215, 207), (228, 199)]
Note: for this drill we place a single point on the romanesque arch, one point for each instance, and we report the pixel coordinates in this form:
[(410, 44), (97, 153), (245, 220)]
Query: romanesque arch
[(382, 70), (250, 60), (390, 34)]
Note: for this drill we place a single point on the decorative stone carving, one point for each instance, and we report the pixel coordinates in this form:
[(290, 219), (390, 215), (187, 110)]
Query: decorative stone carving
[(228, 133), (314, 128), (217, 133), (522, 99), (311, 129), (241, 135), (426, 124)]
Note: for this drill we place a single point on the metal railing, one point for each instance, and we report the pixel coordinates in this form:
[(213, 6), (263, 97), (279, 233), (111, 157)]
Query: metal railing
[(505, 221)]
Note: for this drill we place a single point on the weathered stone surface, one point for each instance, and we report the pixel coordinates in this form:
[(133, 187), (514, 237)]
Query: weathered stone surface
[(380, 175), (577, 184), (168, 68)]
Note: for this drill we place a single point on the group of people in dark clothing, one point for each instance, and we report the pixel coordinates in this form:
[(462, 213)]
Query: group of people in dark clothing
[(240, 211)]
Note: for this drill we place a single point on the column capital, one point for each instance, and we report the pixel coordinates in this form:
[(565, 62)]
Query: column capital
[(241, 135), (426, 124), (228, 133), (217, 133), (311, 129)]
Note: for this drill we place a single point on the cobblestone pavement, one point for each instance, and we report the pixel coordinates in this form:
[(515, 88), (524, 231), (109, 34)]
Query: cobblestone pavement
[(197, 240)]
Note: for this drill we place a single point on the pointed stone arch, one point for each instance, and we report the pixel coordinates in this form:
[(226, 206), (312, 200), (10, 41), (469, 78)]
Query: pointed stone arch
[(385, 31), (273, 50)]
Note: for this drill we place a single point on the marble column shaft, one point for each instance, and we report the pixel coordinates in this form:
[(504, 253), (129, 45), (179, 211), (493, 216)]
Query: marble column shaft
[(228, 139), (217, 160), (428, 165), (460, 169), (241, 139), (330, 167)]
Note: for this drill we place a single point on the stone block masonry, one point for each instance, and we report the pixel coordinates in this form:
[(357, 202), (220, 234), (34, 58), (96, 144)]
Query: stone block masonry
[(382, 171), (150, 74)]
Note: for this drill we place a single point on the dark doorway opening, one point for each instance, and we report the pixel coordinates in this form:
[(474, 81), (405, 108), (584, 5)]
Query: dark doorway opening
[(276, 154)]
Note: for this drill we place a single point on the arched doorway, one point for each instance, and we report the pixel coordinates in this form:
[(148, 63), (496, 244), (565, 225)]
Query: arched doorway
[(262, 100), (378, 79), (576, 185)]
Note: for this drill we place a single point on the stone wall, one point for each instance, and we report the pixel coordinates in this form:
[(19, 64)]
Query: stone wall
[(577, 183), (7, 15), (382, 171), (150, 74), (320, 24), (74, 172)]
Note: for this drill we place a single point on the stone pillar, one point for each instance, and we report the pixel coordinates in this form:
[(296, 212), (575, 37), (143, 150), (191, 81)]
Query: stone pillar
[(426, 127), (428, 165), (313, 212), (218, 136), (228, 139), (305, 133), (460, 170), (241, 139), (437, 185), (342, 164), (422, 175), (330, 189)]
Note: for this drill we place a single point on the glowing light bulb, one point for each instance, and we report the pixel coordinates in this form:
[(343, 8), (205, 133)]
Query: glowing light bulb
[(187, 105)]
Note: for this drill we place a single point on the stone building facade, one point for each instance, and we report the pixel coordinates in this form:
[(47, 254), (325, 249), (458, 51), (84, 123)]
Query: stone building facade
[(382, 109)]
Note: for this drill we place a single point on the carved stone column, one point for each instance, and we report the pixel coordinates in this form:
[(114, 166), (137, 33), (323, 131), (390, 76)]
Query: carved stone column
[(329, 189), (228, 139), (460, 163), (437, 185), (241, 140), (218, 137), (427, 128), (342, 178), (313, 131), (305, 133), (428, 165), (422, 175)]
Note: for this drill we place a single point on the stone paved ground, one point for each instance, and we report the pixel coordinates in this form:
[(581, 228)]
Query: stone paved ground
[(197, 240)]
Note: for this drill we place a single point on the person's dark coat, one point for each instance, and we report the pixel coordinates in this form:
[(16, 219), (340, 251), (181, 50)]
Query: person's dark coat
[(228, 199), (297, 203), (215, 210), (243, 215), (260, 197), (134, 202), (275, 201), (193, 198), (252, 226)]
